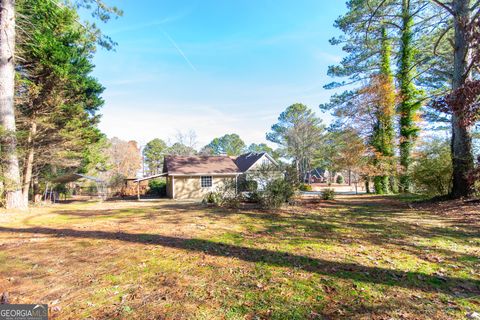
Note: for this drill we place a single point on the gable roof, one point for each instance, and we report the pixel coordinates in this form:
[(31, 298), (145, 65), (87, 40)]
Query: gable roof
[(318, 172), (197, 165), (247, 160)]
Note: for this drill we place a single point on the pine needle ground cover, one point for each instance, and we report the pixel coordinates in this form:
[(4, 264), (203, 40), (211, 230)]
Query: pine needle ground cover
[(359, 257)]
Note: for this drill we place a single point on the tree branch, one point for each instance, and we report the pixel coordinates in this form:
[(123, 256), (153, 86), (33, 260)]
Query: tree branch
[(444, 6), (372, 16), (440, 39)]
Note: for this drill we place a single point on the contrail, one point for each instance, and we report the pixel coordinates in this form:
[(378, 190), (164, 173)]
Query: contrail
[(179, 50)]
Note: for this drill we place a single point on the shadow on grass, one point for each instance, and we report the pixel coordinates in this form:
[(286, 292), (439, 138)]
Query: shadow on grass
[(380, 220), (350, 271)]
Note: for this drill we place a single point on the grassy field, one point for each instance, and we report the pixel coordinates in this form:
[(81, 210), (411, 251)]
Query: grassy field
[(359, 257)]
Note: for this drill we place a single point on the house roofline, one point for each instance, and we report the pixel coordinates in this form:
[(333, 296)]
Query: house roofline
[(149, 177), (264, 154), (203, 174), (186, 175)]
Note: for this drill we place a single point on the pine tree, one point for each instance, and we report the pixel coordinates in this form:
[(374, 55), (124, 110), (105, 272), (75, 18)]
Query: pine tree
[(409, 102), (383, 138)]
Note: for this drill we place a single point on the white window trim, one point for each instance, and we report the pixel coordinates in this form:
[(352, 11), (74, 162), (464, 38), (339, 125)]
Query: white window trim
[(201, 182)]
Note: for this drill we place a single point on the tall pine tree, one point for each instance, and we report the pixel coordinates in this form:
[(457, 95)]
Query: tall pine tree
[(409, 103), (383, 138)]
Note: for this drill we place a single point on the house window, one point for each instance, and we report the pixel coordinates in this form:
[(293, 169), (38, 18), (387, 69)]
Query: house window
[(206, 181)]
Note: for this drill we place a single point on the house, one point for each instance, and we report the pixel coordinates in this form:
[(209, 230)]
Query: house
[(318, 175), (192, 177), (321, 175), (259, 167)]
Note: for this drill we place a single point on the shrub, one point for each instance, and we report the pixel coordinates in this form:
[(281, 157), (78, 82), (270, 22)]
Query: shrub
[(62, 189), (276, 193), (212, 198), (225, 195), (252, 197), (328, 194), (305, 187), (340, 180), (432, 169), (250, 185), (116, 182), (158, 187), (231, 202)]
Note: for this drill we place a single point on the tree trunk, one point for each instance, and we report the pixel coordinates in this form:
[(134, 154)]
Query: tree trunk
[(409, 103), (37, 196), (11, 171), (383, 139), (462, 152), (28, 167)]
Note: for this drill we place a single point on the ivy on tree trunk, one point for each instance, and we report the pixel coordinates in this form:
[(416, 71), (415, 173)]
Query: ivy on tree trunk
[(384, 132), (409, 104)]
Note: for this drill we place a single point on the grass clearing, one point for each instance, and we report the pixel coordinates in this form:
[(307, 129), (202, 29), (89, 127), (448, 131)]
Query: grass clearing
[(358, 257)]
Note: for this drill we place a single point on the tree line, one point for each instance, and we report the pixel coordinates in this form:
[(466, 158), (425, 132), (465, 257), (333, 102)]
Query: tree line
[(410, 66)]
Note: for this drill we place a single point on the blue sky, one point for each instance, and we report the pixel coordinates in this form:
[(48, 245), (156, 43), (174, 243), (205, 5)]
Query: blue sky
[(214, 67)]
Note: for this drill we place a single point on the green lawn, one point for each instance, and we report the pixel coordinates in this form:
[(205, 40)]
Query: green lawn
[(357, 257)]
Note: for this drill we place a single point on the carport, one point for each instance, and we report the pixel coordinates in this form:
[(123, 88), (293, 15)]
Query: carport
[(147, 178), (72, 177)]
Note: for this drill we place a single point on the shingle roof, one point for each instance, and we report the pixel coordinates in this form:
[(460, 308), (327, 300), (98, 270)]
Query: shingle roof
[(245, 161), (185, 165)]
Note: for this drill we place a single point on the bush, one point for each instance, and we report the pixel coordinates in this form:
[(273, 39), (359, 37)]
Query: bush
[(158, 187), (432, 169), (212, 198), (62, 189), (224, 196), (250, 186), (340, 180), (328, 194), (305, 187), (116, 182), (252, 197), (276, 193), (231, 202)]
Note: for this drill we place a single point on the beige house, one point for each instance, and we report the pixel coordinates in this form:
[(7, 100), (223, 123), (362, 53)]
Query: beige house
[(192, 177)]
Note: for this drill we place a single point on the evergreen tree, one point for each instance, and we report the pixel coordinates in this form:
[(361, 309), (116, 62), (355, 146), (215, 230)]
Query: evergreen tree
[(229, 144), (57, 98), (154, 152), (408, 96), (383, 138), (299, 133)]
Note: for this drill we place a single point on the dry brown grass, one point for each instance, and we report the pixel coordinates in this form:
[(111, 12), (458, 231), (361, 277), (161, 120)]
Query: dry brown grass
[(356, 257)]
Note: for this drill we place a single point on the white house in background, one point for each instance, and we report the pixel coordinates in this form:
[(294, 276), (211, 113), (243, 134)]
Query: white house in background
[(252, 165)]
